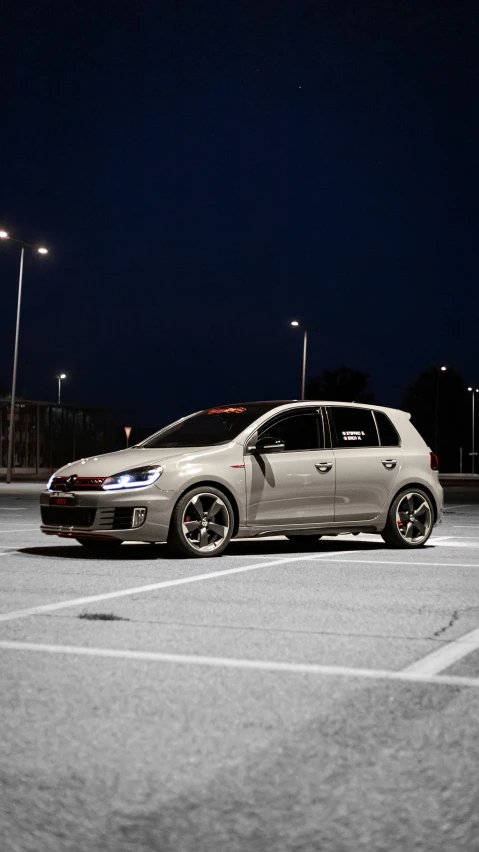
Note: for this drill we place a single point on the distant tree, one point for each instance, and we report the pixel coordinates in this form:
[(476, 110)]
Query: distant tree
[(344, 385), (440, 409)]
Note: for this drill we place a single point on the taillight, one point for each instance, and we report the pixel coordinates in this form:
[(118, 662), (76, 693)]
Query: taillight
[(434, 461)]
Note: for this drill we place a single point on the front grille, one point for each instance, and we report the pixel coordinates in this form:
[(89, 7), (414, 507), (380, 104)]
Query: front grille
[(77, 483), (120, 518), (68, 516)]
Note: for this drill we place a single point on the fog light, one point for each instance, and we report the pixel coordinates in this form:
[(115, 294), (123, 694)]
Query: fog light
[(139, 516)]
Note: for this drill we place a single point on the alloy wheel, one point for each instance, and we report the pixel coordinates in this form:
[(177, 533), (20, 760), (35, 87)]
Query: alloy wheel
[(414, 518), (205, 522)]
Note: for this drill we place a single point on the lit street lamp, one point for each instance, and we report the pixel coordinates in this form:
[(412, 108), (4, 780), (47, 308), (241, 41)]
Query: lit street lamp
[(295, 323), (473, 455), (439, 370), (60, 379), (11, 430)]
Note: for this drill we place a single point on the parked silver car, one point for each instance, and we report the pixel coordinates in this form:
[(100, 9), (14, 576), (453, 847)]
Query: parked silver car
[(301, 469)]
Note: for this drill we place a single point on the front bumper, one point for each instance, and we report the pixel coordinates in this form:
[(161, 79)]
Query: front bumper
[(103, 514)]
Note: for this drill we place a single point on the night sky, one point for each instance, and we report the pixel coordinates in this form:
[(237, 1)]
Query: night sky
[(205, 172)]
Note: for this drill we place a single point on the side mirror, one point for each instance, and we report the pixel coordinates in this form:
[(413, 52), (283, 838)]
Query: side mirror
[(268, 444)]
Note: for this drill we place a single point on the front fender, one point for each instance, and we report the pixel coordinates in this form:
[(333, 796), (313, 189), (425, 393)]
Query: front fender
[(183, 478)]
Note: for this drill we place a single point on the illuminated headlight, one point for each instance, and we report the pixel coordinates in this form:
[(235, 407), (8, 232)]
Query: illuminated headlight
[(137, 478)]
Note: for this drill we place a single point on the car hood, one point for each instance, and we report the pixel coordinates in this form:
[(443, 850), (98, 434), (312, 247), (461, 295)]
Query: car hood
[(110, 463)]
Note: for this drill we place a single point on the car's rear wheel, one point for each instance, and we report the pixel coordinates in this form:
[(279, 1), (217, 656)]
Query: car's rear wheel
[(100, 543), (306, 540), (201, 523), (410, 520)]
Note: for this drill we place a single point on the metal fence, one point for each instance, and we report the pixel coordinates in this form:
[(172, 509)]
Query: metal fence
[(48, 436)]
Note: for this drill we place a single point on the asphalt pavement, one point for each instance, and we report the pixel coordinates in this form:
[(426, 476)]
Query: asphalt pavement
[(270, 700)]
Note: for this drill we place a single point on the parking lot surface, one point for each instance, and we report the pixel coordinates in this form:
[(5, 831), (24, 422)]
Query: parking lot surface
[(271, 699)]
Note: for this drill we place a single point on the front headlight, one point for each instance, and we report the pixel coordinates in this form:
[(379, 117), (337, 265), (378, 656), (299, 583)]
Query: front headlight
[(137, 478)]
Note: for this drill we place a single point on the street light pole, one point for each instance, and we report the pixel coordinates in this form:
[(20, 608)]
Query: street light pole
[(60, 377), (473, 455), (11, 428), (295, 323), (439, 370), (303, 378)]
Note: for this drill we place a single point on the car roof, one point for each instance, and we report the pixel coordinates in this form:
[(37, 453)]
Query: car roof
[(308, 402)]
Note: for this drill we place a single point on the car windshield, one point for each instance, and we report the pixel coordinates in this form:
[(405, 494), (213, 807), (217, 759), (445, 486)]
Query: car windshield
[(210, 427)]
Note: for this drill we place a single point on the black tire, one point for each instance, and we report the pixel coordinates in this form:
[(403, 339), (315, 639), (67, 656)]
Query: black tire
[(201, 540), (402, 532), (306, 540), (100, 543)]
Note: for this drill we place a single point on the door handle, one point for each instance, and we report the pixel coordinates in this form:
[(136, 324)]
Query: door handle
[(323, 467), (389, 463)]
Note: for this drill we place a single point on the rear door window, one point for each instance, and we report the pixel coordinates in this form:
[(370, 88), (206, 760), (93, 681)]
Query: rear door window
[(354, 427), (387, 432)]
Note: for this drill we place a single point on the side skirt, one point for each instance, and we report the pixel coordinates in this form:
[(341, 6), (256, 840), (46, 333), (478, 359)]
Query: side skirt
[(351, 529)]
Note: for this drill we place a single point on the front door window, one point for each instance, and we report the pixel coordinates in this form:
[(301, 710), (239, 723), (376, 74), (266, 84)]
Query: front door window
[(297, 431)]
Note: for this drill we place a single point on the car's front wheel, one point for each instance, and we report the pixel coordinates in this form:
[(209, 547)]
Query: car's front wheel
[(410, 519), (201, 523)]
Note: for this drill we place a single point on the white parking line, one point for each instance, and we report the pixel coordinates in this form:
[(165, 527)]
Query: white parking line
[(457, 541), (152, 587), (231, 663), (460, 537), (25, 529), (451, 506), (444, 657), (403, 562)]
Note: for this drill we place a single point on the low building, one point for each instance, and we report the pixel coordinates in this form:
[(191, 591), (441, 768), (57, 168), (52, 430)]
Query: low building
[(48, 435)]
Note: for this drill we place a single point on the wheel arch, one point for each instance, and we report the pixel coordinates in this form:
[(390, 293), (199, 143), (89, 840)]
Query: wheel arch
[(423, 488), (220, 487)]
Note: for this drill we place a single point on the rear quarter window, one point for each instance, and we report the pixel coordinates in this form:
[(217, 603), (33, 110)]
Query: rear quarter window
[(388, 434)]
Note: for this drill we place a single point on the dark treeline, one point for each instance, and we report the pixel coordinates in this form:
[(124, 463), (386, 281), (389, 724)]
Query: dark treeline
[(439, 403)]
